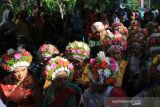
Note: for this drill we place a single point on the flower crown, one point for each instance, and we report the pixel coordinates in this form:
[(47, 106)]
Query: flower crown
[(56, 65), (47, 51), (114, 39), (78, 50), (120, 28), (103, 69), (13, 59)]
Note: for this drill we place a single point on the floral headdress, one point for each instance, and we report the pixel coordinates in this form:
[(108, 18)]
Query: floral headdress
[(103, 70), (114, 39), (56, 65), (155, 67), (120, 28), (46, 51), (78, 50), (13, 59)]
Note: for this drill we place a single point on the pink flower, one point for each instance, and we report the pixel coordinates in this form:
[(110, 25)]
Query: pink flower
[(60, 62), (112, 60), (67, 50), (118, 35), (79, 51), (43, 49), (116, 41), (51, 50), (113, 67), (86, 53), (70, 66), (73, 51), (56, 52), (53, 66), (125, 30), (17, 56), (92, 61)]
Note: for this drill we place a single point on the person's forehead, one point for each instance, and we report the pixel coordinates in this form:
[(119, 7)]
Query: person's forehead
[(98, 26), (99, 30), (20, 69)]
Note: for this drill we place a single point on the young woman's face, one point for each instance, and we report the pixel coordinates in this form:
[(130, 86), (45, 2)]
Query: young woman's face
[(20, 73), (61, 80), (116, 54)]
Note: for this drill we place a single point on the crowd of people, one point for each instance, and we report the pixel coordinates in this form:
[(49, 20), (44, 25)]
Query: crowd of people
[(82, 60)]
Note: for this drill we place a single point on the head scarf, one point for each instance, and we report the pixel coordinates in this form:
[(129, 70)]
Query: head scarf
[(97, 26)]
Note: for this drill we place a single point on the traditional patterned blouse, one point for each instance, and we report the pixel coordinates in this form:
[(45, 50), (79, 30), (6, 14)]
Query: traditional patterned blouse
[(25, 94)]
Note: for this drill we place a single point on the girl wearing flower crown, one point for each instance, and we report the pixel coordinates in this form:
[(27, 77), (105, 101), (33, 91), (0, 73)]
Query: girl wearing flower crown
[(45, 52), (103, 72), (19, 88), (115, 46), (59, 71), (78, 52)]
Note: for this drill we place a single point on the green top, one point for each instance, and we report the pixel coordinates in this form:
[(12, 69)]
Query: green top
[(93, 43), (95, 47)]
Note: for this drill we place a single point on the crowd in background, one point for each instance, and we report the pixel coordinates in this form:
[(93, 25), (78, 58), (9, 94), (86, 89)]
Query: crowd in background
[(80, 60)]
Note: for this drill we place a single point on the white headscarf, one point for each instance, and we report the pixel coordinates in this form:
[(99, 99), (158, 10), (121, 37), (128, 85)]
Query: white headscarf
[(97, 26)]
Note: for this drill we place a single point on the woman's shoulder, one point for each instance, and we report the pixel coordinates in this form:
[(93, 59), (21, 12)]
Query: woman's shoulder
[(117, 92)]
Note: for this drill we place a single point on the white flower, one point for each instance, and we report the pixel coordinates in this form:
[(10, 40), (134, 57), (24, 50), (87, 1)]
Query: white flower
[(48, 68), (158, 67), (46, 55), (10, 51), (71, 45), (86, 47), (64, 59), (101, 55), (80, 44), (107, 73), (107, 59)]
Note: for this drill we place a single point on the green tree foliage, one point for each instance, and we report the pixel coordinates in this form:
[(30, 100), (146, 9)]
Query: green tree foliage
[(62, 6), (99, 5), (134, 4), (17, 5), (155, 4)]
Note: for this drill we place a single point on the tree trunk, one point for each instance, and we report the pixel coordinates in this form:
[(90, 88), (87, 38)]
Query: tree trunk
[(60, 5), (61, 11)]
